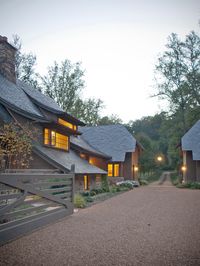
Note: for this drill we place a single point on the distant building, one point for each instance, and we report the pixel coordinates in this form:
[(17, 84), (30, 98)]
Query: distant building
[(120, 145), (190, 145)]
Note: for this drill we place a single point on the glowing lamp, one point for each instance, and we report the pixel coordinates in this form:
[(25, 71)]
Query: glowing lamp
[(136, 168), (159, 158), (183, 168)]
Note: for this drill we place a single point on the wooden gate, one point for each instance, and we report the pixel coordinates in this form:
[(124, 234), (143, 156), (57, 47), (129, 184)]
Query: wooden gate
[(30, 200)]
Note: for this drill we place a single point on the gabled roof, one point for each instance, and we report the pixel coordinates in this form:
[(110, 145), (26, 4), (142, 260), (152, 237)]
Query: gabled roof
[(13, 96), (64, 160), (79, 143), (191, 141), (113, 140), (24, 99), (39, 98)]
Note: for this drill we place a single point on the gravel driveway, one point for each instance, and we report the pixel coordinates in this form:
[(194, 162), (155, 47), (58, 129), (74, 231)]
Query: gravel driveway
[(153, 225)]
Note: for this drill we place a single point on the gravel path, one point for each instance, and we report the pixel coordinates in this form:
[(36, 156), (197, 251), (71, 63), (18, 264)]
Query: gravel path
[(153, 225)]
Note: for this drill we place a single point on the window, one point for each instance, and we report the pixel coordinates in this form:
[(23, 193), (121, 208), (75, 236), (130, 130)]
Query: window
[(55, 139), (116, 169), (113, 169), (86, 182), (110, 169), (67, 124)]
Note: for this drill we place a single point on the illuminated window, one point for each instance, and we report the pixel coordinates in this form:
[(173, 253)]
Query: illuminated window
[(67, 124), (86, 182), (116, 169), (55, 139), (110, 169), (46, 137), (113, 169)]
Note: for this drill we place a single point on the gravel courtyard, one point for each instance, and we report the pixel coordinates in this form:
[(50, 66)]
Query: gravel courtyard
[(153, 225)]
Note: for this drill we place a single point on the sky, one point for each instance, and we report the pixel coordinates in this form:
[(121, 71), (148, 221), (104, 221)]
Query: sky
[(117, 41)]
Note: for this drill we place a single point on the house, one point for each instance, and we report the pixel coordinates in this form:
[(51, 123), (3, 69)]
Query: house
[(120, 145), (59, 143), (190, 145)]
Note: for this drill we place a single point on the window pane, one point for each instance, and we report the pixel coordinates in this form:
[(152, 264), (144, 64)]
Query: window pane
[(46, 136), (61, 141), (53, 138), (110, 169), (67, 124), (116, 169)]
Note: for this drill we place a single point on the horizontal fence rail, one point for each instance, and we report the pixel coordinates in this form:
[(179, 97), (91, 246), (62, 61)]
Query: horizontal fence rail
[(30, 200)]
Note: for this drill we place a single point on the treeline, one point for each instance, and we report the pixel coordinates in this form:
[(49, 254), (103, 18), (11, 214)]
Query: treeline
[(177, 75)]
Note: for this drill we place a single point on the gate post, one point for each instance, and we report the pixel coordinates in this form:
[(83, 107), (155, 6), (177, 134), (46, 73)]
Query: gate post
[(73, 181)]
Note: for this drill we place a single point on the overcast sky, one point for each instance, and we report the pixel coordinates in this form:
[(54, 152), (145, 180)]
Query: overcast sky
[(117, 41)]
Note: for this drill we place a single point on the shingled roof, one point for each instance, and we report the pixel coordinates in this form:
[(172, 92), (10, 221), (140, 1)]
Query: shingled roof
[(79, 143), (64, 160), (26, 100), (191, 141), (13, 96), (113, 140)]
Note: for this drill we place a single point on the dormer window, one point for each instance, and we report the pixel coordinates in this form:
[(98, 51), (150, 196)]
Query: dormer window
[(55, 139), (67, 124)]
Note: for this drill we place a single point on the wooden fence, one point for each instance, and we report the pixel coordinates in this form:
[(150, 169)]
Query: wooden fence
[(30, 200)]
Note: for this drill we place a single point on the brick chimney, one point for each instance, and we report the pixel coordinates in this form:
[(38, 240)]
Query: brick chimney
[(7, 59)]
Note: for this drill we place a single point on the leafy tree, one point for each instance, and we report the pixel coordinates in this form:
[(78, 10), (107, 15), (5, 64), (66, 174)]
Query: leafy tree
[(25, 64), (88, 110), (178, 76), (64, 83), (110, 120), (16, 145)]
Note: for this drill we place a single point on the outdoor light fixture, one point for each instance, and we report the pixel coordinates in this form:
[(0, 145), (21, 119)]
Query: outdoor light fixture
[(136, 168), (159, 158), (183, 168)]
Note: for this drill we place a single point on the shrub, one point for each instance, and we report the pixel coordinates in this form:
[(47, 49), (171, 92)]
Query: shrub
[(118, 189), (79, 201), (124, 188), (92, 193), (104, 183), (85, 193), (113, 189), (143, 182), (192, 185), (128, 185), (98, 190), (89, 199)]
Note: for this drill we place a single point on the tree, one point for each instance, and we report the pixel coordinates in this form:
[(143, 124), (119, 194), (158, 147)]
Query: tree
[(110, 120), (178, 75), (25, 64), (16, 145), (88, 110), (64, 83)]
